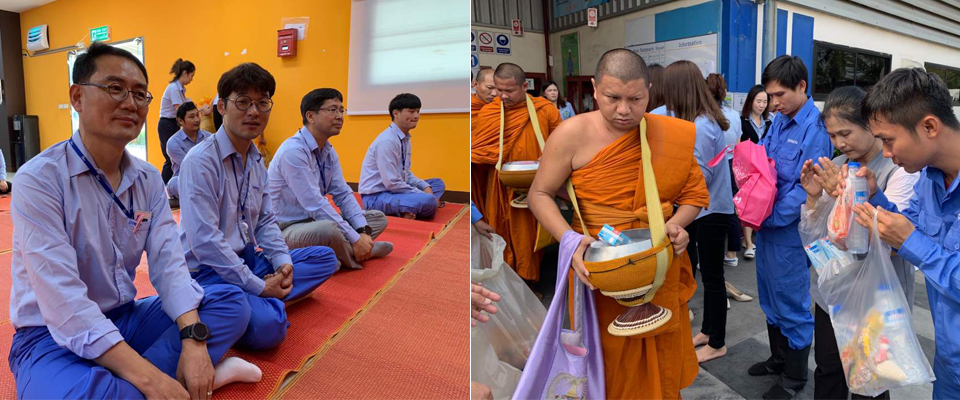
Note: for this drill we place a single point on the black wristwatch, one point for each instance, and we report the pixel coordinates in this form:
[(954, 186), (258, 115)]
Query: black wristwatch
[(366, 229), (197, 331)]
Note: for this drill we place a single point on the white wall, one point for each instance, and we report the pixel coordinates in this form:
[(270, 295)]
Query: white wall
[(609, 34), (527, 51), (905, 51)]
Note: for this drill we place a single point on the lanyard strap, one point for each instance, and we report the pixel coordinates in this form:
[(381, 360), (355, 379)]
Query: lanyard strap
[(403, 158), (242, 202), (127, 211), (316, 157)]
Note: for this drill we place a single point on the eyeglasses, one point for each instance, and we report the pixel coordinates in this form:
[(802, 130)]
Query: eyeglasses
[(244, 103), (341, 110), (141, 98)]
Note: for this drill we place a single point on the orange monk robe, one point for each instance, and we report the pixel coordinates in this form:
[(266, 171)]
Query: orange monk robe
[(478, 172), (517, 226), (657, 364)]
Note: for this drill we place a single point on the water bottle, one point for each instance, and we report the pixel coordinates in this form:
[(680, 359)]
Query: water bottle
[(859, 236)]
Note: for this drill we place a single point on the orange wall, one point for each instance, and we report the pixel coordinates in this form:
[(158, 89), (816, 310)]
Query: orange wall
[(202, 31)]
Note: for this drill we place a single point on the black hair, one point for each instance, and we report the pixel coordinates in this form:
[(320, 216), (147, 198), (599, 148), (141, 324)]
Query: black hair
[(788, 70), (622, 64), (748, 104), (314, 100), (85, 65), (402, 101), (561, 102), (184, 109), (181, 67), (846, 103), (246, 76), (907, 95)]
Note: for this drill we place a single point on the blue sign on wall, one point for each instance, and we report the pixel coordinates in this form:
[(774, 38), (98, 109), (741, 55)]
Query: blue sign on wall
[(566, 7)]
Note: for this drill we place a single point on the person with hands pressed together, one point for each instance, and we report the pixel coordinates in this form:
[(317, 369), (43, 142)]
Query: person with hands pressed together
[(227, 214), (850, 133), (84, 214), (910, 111), (600, 152)]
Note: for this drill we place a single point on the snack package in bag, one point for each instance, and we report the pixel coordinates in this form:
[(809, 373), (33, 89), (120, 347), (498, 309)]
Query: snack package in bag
[(873, 324), (841, 218), (514, 328), (827, 258)]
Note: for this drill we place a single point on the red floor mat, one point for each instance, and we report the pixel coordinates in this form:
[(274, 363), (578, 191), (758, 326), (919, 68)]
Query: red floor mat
[(425, 352), (313, 321)]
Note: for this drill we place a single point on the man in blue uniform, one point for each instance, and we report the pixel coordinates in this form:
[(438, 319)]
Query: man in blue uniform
[(783, 275), (910, 111)]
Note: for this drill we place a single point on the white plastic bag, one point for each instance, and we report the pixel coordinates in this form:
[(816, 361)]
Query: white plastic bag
[(487, 369), (873, 324), (514, 328)]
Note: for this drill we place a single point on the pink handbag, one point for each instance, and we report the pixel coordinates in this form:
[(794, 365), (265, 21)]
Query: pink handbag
[(756, 177)]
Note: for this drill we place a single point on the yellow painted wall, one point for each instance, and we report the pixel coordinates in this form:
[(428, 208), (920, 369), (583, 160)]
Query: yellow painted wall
[(202, 31)]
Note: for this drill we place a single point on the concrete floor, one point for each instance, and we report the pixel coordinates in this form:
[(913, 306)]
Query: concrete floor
[(726, 377)]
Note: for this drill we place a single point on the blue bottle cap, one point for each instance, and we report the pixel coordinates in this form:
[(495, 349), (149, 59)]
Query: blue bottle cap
[(853, 164)]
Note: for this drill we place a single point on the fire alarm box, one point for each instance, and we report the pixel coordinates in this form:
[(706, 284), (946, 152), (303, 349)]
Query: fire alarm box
[(286, 43)]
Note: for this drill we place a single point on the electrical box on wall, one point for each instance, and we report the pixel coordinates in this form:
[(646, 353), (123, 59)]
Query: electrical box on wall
[(286, 42)]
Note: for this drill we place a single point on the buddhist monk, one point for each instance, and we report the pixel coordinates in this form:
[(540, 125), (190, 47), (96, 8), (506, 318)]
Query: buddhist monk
[(484, 92), (600, 152), (517, 225)]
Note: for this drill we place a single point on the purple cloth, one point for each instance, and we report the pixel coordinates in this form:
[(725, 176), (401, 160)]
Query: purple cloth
[(562, 360)]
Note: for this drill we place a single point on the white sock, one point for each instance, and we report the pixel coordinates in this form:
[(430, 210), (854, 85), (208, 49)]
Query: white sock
[(235, 369)]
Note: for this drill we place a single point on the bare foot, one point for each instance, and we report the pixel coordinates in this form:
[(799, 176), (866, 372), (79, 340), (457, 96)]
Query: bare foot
[(707, 353), (700, 340), (409, 215)]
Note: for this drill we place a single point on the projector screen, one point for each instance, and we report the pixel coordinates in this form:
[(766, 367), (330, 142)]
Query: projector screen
[(409, 46)]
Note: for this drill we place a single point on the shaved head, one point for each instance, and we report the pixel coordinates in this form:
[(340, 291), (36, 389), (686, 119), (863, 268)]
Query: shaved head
[(622, 64), (510, 71), (484, 86), (511, 84), (482, 74)]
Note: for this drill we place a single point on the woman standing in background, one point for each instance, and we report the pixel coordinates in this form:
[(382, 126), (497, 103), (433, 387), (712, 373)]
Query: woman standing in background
[(686, 97), (552, 92), (755, 121), (174, 95)]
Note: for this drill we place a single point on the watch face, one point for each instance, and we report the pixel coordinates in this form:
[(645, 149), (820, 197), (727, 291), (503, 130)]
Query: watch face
[(367, 230), (200, 331)]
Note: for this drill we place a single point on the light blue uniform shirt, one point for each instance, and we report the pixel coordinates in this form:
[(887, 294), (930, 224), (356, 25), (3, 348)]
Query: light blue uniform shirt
[(790, 142), (174, 94), (210, 184), (934, 247), (731, 136), (180, 144), (302, 175), (75, 254), (709, 143), (177, 147), (567, 111), (386, 166), (3, 167)]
